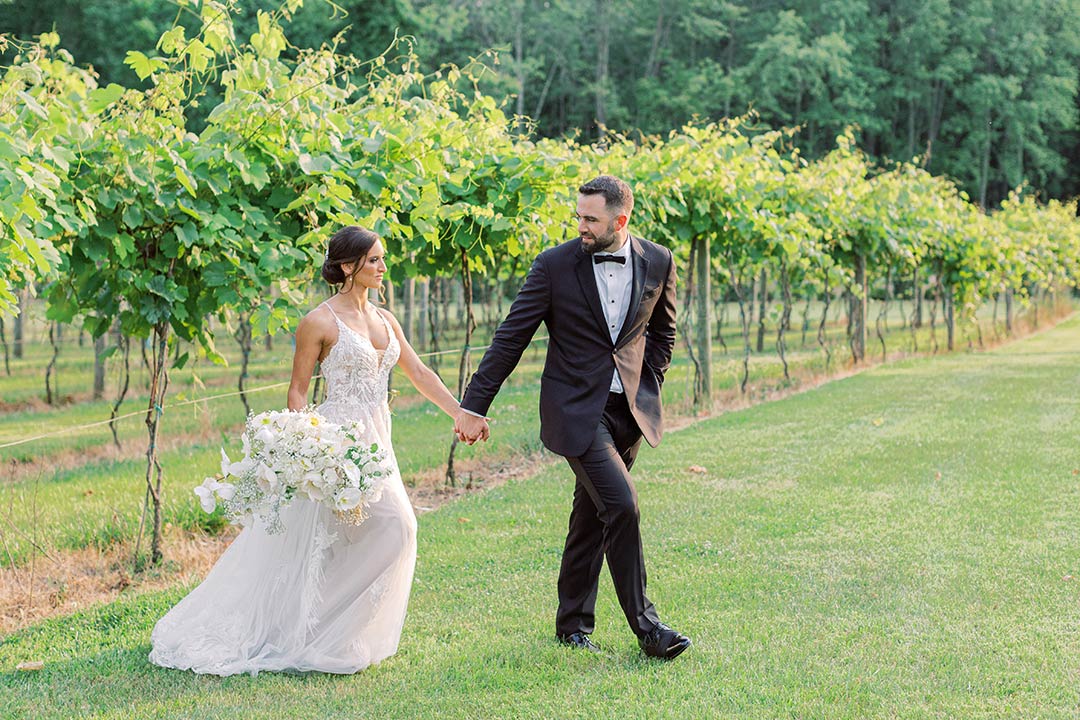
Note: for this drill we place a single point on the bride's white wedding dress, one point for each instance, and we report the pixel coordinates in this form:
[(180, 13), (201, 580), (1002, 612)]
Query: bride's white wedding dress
[(322, 595)]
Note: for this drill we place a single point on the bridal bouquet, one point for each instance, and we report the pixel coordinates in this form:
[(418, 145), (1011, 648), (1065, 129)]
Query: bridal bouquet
[(286, 453)]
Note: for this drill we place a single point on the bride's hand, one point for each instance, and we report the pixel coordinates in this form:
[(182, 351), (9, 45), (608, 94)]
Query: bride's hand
[(470, 428)]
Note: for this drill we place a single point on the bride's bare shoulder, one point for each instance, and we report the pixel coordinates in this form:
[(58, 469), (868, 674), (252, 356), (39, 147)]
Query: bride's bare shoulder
[(319, 322)]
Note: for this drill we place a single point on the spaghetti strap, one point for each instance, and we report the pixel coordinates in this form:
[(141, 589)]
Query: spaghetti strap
[(387, 325), (326, 304)]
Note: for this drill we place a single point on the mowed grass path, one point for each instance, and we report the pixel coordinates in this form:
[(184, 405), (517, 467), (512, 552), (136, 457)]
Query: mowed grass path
[(902, 543)]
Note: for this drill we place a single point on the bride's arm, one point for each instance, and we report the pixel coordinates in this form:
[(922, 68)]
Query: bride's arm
[(421, 376), (310, 337)]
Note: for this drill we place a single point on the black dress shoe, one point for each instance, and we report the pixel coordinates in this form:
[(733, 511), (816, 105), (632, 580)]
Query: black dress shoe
[(663, 642), (579, 640)]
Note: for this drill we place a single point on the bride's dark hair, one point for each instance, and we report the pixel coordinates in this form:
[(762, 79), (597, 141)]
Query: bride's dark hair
[(350, 244)]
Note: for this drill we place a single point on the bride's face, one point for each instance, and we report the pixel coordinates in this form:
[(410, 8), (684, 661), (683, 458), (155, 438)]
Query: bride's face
[(371, 270)]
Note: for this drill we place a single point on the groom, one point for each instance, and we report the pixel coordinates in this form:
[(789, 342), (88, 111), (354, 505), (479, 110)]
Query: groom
[(608, 301)]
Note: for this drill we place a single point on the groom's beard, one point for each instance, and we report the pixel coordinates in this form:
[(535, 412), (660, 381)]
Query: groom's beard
[(593, 244)]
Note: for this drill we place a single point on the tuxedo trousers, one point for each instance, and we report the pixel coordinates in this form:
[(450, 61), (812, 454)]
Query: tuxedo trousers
[(604, 523)]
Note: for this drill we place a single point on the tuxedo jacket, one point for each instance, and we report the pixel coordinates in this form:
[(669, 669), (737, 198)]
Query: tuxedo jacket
[(560, 291)]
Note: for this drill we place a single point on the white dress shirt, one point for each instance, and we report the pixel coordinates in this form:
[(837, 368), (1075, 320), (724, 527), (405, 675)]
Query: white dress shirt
[(613, 283)]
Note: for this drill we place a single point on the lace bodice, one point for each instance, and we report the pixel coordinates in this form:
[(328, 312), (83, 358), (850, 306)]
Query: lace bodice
[(357, 373)]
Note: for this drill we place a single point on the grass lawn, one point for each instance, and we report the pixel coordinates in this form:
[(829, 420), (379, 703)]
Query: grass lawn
[(901, 543)]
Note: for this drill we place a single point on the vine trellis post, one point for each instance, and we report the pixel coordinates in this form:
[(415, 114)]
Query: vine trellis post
[(465, 365), (704, 322)]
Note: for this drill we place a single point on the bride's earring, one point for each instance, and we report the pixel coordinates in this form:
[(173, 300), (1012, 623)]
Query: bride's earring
[(348, 269)]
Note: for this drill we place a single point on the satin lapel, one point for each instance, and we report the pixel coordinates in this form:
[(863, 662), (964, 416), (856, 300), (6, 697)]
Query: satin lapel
[(587, 279), (637, 285)]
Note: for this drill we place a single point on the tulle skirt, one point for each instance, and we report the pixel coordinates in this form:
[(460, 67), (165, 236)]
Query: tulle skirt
[(321, 596)]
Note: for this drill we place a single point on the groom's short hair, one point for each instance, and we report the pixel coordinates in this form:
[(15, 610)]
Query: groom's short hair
[(617, 194)]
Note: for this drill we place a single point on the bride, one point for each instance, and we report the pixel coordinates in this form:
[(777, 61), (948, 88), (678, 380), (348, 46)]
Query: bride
[(322, 595)]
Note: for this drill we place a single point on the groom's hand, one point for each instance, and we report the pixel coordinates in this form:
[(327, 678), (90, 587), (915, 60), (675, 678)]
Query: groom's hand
[(470, 428)]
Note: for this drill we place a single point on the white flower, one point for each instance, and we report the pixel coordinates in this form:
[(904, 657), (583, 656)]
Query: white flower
[(337, 446), (225, 491), (347, 498), (312, 486), (236, 469), (330, 476), (353, 476), (206, 494), (266, 478), (309, 447), (286, 453), (372, 468)]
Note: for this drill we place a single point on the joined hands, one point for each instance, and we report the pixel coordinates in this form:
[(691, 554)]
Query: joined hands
[(469, 428)]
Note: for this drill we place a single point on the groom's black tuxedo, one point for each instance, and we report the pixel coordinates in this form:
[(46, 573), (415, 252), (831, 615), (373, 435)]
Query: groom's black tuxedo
[(598, 431), (560, 291)]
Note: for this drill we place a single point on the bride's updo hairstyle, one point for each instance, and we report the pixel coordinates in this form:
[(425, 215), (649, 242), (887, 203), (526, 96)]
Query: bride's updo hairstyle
[(350, 244)]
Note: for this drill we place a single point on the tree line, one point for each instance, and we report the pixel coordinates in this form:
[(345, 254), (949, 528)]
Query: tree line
[(983, 91)]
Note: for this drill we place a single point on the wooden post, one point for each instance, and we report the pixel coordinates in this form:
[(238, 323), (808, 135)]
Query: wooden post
[(99, 367), (19, 324), (704, 320), (859, 311), (409, 314), (422, 317)]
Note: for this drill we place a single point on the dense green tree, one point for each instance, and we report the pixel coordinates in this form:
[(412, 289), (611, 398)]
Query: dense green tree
[(1021, 93), (97, 34), (688, 48)]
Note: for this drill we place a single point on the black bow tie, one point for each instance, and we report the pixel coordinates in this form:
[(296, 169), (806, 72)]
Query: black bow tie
[(597, 259)]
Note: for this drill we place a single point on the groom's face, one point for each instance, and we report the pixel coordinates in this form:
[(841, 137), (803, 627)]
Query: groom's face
[(597, 226)]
